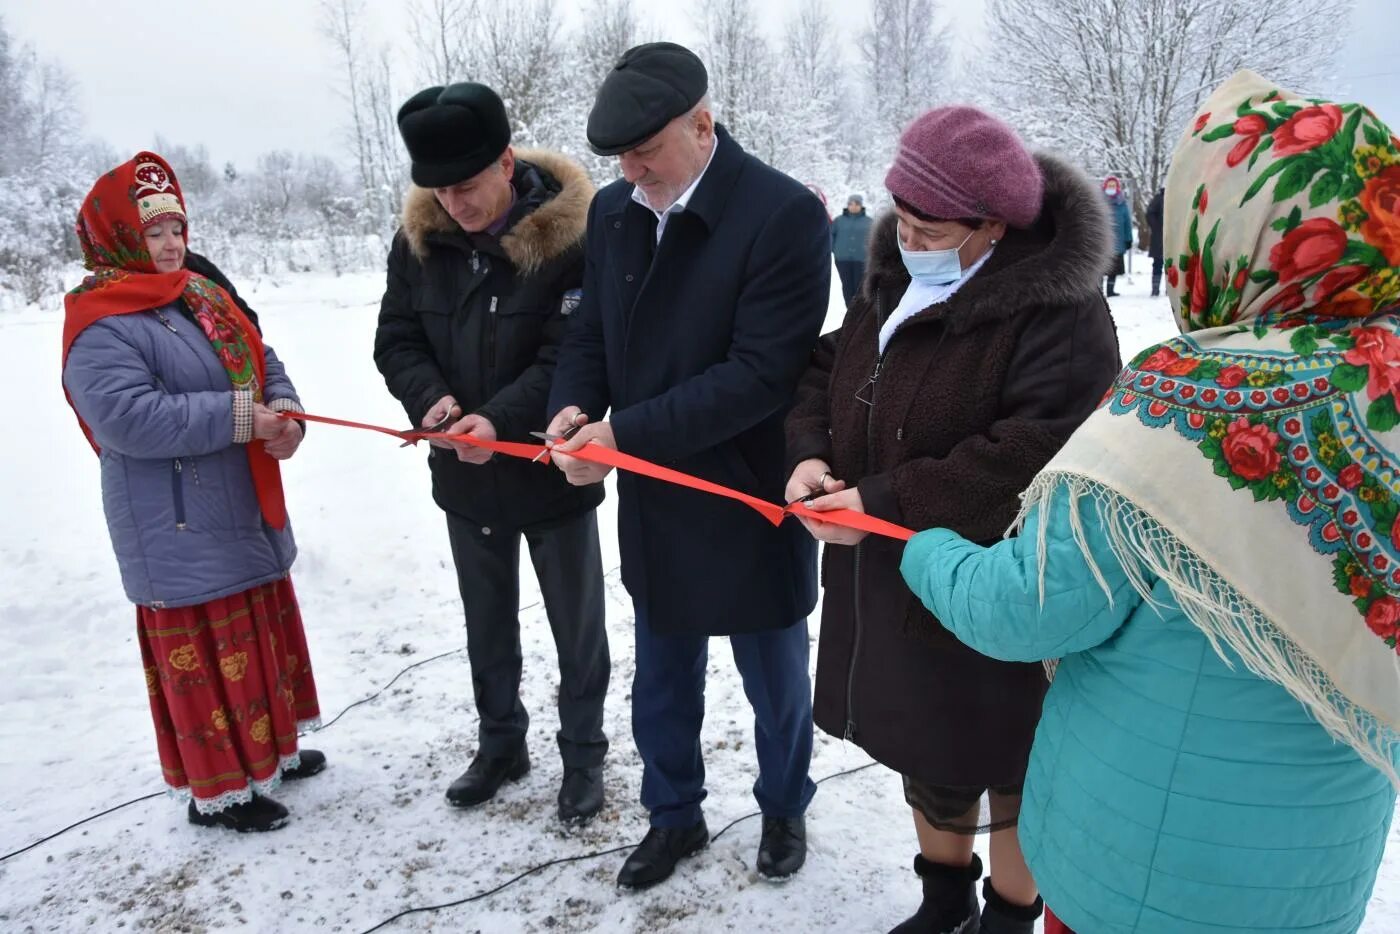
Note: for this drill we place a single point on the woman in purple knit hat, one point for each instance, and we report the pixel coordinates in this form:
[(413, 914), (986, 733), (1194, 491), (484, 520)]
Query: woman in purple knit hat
[(977, 343)]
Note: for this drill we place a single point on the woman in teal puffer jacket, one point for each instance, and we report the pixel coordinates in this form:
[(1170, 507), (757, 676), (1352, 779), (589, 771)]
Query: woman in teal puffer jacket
[(1214, 557)]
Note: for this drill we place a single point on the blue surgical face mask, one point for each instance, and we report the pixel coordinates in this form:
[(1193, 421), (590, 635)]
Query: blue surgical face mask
[(933, 267)]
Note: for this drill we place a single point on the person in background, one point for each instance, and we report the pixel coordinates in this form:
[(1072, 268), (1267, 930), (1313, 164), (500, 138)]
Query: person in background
[(178, 394), (483, 275), (707, 279), (1154, 248), (850, 234), (1213, 556), (978, 344), (1122, 229), (821, 196)]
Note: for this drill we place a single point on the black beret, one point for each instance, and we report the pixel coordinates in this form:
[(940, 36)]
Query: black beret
[(453, 132), (650, 86)]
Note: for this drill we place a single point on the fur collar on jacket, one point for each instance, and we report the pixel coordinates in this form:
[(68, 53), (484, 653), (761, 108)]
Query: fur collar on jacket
[(1059, 260), (538, 237)]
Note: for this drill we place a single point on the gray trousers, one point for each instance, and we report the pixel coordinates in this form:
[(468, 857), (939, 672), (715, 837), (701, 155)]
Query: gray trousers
[(568, 563)]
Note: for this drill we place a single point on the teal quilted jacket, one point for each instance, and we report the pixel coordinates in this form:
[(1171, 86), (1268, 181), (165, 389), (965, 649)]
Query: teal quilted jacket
[(1170, 790)]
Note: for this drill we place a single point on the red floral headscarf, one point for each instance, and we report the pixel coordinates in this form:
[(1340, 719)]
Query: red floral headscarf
[(124, 280), (1253, 464)]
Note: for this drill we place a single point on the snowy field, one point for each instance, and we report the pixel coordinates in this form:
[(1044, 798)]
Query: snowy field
[(372, 836)]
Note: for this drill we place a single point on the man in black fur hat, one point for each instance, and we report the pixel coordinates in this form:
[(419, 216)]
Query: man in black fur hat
[(483, 275)]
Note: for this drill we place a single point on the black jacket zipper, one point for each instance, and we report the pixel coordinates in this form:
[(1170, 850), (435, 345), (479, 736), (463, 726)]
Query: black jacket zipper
[(855, 560), (178, 485)]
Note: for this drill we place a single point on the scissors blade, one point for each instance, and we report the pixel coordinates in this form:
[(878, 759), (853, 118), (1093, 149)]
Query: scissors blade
[(438, 427)]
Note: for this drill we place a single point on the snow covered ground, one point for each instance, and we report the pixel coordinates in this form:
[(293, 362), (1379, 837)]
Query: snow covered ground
[(372, 835)]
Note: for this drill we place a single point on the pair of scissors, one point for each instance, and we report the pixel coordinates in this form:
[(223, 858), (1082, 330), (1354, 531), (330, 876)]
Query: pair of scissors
[(553, 439), (447, 420)]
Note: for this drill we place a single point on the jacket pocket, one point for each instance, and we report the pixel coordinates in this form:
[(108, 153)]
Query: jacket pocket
[(177, 484), (517, 331)]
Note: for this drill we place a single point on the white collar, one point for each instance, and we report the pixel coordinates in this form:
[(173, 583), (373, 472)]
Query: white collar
[(684, 200)]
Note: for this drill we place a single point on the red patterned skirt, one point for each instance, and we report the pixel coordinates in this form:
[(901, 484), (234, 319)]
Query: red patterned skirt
[(1054, 925), (230, 682)]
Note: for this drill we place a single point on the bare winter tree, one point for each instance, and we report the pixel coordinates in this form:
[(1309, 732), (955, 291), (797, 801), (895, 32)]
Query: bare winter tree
[(341, 24), (44, 169), (374, 100), (438, 30), (743, 79), (199, 180), (609, 28), (1113, 82), (517, 49), (906, 55), (810, 109)]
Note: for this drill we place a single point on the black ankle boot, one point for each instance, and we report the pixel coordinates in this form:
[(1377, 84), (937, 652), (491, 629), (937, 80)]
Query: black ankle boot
[(1001, 917), (950, 899)]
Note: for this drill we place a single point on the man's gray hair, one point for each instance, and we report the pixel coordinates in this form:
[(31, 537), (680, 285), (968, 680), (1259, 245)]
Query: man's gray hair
[(702, 104)]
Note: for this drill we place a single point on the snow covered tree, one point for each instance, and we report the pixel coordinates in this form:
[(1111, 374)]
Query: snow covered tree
[(609, 28), (906, 58), (809, 113), (373, 97), (46, 168), (743, 75), (1112, 83), (517, 50), (439, 30)]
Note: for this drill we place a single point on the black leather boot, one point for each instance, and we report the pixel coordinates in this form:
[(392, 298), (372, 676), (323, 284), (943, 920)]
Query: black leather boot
[(484, 777), (580, 795), (782, 847), (256, 816), (655, 858)]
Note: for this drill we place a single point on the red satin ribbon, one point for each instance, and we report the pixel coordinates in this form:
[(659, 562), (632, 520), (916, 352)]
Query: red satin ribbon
[(598, 454)]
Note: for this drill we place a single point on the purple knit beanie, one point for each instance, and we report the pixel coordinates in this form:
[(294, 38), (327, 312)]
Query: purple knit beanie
[(956, 162)]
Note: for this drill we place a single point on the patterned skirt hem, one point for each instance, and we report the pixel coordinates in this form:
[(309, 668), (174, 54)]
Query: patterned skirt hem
[(228, 799)]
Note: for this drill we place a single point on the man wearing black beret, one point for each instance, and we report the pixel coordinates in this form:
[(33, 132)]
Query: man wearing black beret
[(705, 285), (483, 275)]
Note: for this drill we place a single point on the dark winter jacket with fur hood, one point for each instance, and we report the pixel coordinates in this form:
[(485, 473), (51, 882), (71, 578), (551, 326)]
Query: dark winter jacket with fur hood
[(973, 397), (480, 318)]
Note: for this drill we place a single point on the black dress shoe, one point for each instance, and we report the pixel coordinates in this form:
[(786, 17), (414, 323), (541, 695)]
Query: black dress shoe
[(782, 848), (257, 816), (484, 777), (655, 858), (581, 795), (312, 761)]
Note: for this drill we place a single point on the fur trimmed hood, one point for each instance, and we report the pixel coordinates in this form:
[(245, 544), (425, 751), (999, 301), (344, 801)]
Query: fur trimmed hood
[(1060, 259), (546, 232)]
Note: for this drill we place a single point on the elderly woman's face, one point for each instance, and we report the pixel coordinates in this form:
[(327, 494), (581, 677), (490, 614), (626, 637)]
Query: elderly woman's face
[(165, 241), (919, 235)]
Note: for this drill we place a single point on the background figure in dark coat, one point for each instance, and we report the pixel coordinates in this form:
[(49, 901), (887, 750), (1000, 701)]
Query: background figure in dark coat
[(1122, 229), (1154, 249), (694, 329), (482, 277), (933, 406), (849, 235)]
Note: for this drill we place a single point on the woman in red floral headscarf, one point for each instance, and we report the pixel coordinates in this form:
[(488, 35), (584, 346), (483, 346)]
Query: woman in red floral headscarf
[(1214, 556), (185, 405)]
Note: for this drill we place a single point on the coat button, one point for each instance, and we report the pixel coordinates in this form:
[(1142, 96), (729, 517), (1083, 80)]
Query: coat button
[(617, 225), (629, 277), (486, 530)]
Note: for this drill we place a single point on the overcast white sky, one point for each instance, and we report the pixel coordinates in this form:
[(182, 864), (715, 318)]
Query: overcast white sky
[(248, 76)]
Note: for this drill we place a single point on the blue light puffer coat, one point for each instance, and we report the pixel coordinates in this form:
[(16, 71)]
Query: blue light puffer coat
[(177, 492), (1167, 791)]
